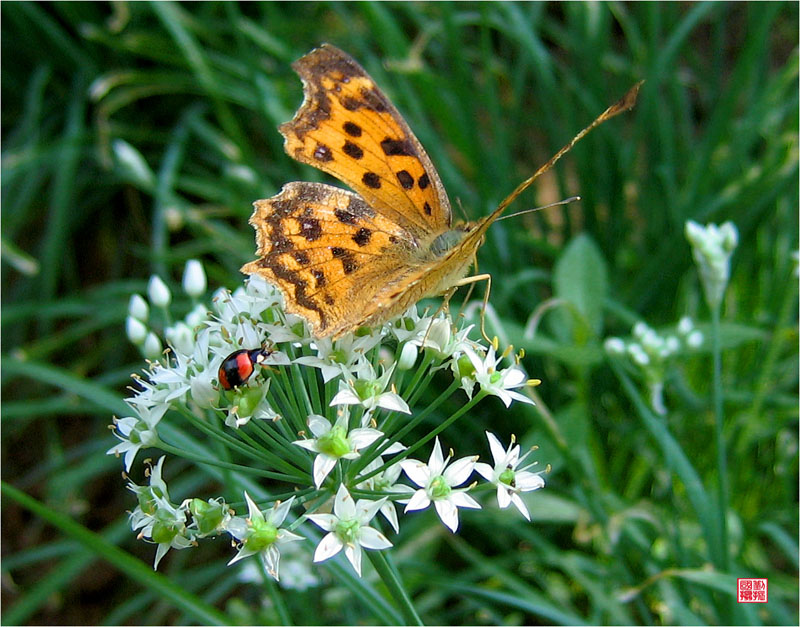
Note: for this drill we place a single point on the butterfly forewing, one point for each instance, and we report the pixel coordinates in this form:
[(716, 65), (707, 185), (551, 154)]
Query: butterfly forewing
[(348, 128)]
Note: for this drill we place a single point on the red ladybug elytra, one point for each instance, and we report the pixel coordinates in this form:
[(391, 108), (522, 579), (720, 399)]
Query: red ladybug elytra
[(237, 367)]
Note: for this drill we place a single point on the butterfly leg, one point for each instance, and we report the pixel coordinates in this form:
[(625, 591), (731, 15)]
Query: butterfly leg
[(471, 280)]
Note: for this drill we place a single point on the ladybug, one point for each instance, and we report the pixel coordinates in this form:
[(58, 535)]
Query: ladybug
[(237, 367)]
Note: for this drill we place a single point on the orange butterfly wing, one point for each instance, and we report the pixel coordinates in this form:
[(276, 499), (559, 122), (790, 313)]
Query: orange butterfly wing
[(331, 254), (348, 128)]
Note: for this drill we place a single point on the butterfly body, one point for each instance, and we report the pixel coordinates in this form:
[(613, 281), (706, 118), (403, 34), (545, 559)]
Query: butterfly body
[(345, 259)]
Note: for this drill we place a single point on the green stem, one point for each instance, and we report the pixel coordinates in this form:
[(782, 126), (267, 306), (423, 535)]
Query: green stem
[(392, 582), (722, 463), (200, 459), (126, 563)]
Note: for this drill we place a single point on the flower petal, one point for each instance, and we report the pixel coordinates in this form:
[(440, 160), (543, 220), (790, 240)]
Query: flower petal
[(462, 499), (498, 452), (389, 511), (278, 513), (360, 438), (345, 397), (343, 505), (353, 553), (503, 495), (326, 521), (329, 546), (448, 513), (436, 461), (418, 472), (459, 471), (323, 464), (485, 471), (371, 538), (520, 504), (366, 509), (318, 425), (310, 445), (393, 402), (527, 481), (420, 500)]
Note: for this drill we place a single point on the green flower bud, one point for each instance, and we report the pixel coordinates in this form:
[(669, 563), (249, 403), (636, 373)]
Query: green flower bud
[(366, 389), (347, 530), (163, 532), (207, 514), (334, 443), (264, 533), (248, 401), (439, 489), (507, 477), (464, 367)]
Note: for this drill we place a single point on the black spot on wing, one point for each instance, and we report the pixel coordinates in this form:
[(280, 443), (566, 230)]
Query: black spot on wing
[(406, 180), (310, 229), (323, 153), (352, 150), (398, 148), (352, 129), (362, 236), (319, 277), (349, 264), (370, 179)]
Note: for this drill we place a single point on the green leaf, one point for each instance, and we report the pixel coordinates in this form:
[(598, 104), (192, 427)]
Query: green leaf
[(580, 277)]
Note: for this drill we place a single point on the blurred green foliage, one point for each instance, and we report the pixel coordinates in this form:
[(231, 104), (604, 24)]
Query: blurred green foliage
[(136, 136)]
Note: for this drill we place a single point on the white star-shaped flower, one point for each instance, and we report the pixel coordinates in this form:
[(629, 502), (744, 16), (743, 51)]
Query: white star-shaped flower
[(368, 391), (348, 528), (260, 533), (137, 432), (436, 481), (509, 481), (333, 442), (500, 383)]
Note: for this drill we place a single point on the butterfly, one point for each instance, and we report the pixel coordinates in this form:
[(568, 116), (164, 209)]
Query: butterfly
[(346, 259)]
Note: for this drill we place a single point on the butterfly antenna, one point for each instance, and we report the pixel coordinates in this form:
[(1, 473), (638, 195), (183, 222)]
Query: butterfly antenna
[(566, 201), (626, 103)]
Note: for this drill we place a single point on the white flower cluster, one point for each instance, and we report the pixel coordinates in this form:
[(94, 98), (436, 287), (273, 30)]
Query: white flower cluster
[(336, 401), (651, 353), (712, 247)]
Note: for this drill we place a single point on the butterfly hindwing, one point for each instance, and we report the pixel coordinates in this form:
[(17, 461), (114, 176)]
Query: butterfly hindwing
[(348, 128), (326, 248)]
